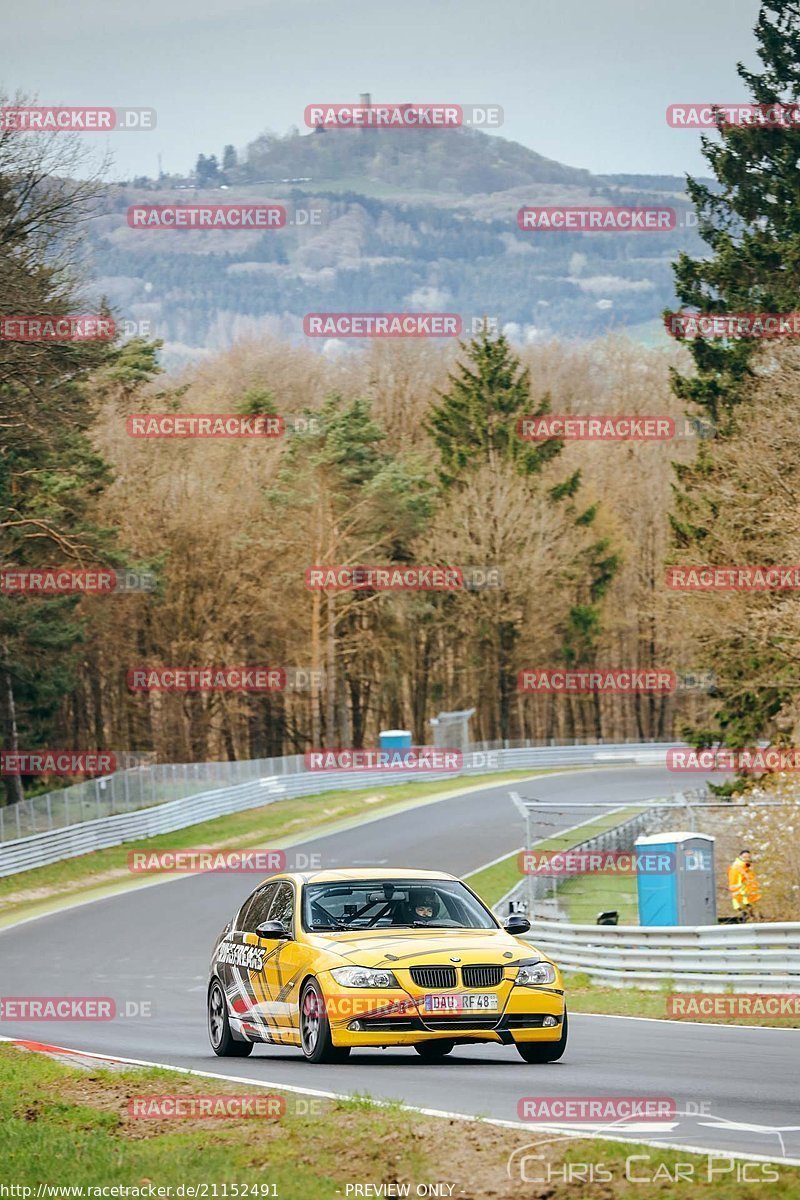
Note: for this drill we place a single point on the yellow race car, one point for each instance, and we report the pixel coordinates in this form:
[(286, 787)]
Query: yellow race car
[(333, 960)]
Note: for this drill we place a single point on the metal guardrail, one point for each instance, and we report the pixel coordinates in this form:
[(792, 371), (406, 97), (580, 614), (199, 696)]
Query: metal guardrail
[(762, 957), (146, 784), (266, 786), (759, 957)]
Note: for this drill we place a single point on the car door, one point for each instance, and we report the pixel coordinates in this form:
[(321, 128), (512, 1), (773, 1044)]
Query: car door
[(285, 968), (242, 957)]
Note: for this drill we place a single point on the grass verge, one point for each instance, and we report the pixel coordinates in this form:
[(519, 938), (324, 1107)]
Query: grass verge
[(65, 1127), (583, 995), (495, 881), (583, 898), (31, 893)]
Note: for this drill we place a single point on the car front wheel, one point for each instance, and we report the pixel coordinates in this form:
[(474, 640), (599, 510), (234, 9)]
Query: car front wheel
[(315, 1028), (545, 1052), (222, 1040)]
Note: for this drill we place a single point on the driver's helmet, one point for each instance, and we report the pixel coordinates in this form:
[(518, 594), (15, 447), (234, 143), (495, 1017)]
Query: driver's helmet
[(424, 903)]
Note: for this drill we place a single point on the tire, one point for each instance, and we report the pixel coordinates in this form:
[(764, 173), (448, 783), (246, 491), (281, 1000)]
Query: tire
[(545, 1052), (315, 1028), (223, 1043), (434, 1051)]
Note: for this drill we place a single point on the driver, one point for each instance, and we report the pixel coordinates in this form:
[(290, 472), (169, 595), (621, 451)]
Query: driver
[(424, 904)]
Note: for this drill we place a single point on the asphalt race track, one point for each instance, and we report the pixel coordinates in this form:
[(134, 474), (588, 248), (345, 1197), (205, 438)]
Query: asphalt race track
[(153, 945)]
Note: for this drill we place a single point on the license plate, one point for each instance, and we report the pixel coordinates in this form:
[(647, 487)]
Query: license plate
[(461, 1002)]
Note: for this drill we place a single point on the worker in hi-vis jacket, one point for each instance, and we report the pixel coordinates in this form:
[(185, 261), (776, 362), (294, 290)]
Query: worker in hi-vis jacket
[(743, 885)]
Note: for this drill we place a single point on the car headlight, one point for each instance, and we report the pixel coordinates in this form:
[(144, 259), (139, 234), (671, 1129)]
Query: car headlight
[(364, 977), (532, 974)]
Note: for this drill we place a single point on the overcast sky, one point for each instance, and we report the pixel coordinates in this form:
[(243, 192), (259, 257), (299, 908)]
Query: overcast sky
[(582, 81)]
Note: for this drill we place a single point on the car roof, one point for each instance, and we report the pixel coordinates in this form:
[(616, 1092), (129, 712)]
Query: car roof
[(355, 874)]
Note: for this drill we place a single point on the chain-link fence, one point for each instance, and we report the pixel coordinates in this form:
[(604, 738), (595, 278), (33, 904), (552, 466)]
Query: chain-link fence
[(132, 789), (148, 785)]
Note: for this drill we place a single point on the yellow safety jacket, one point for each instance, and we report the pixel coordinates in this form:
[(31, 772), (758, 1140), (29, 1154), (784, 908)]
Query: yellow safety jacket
[(743, 884)]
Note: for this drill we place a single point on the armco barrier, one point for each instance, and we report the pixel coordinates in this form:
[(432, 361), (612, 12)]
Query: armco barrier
[(148, 783), (68, 841), (759, 957)]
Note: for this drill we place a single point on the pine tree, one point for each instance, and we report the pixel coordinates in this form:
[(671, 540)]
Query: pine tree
[(476, 419), (474, 424), (751, 224)]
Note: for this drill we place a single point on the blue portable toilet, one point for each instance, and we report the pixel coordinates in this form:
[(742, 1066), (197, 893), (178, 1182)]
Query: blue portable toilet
[(675, 879), (394, 739)]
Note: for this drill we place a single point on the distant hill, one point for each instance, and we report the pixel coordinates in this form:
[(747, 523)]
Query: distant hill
[(409, 220), (461, 161)]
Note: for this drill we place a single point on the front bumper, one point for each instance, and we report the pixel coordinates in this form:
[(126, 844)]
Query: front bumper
[(397, 1018)]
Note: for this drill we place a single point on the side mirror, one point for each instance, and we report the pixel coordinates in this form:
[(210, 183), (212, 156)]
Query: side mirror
[(516, 924), (272, 929)]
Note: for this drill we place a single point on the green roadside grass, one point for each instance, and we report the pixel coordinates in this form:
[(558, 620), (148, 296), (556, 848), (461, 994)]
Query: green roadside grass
[(103, 872), (495, 881), (583, 898), (66, 1127), (586, 996)]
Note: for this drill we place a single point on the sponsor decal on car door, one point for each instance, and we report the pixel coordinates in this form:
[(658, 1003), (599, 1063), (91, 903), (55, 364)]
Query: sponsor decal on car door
[(284, 966)]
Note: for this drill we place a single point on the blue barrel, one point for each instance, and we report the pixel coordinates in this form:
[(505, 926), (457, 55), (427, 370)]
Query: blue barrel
[(394, 739)]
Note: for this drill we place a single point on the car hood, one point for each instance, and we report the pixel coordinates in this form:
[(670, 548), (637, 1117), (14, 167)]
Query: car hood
[(386, 948)]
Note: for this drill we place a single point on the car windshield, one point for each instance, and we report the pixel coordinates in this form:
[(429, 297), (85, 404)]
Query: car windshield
[(393, 904)]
